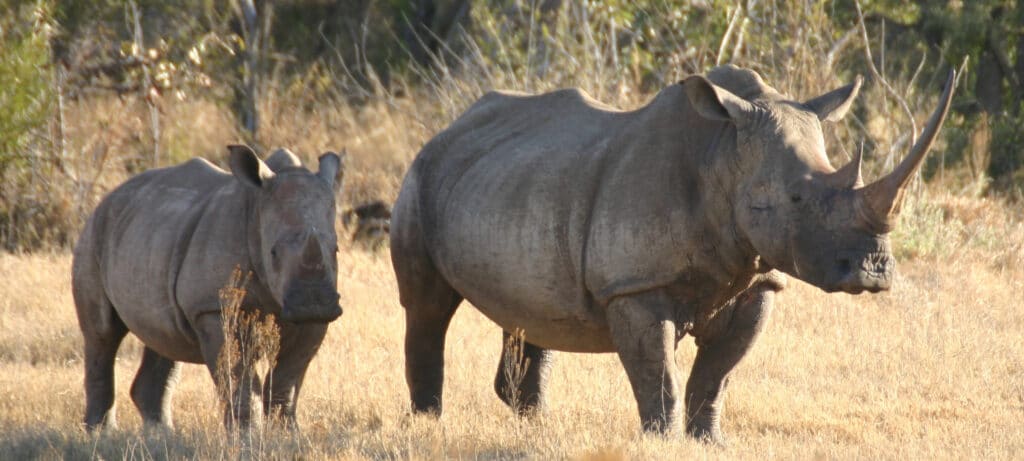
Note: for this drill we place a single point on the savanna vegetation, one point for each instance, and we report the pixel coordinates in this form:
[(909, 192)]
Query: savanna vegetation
[(95, 91)]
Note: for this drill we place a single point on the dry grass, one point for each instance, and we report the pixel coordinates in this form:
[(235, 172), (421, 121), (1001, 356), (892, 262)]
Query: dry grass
[(930, 370)]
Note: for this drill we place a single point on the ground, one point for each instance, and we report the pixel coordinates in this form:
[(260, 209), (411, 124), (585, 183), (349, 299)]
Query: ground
[(932, 369)]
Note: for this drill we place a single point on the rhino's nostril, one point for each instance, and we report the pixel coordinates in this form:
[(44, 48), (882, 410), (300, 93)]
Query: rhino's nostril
[(843, 264)]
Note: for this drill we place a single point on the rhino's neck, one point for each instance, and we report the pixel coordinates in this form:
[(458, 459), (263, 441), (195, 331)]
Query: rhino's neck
[(723, 170), (258, 288)]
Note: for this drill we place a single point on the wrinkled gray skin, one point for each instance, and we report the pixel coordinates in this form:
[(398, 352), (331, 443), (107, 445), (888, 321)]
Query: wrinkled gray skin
[(596, 230), (157, 250)]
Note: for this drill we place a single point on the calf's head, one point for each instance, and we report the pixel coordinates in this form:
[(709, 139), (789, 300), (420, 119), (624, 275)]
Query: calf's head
[(802, 216), (294, 216)]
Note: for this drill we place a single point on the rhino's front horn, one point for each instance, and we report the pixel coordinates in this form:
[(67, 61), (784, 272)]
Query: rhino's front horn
[(312, 257), (881, 200)]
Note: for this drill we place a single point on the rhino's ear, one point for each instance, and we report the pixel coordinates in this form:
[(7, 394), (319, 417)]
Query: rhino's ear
[(332, 169), (247, 167), (715, 103), (832, 106)]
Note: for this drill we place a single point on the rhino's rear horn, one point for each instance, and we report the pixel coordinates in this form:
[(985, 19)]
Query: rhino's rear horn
[(881, 200), (849, 176)]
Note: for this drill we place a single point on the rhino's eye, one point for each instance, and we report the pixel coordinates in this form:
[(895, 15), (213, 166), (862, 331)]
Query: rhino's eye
[(795, 198)]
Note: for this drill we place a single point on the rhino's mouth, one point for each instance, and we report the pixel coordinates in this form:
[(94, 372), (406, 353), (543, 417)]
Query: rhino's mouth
[(310, 303), (857, 272)]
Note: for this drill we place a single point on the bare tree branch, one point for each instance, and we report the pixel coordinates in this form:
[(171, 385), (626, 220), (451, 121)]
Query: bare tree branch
[(881, 80)]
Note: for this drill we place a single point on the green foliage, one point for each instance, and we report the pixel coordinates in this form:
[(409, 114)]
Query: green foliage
[(451, 51), (28, 217), (27, 96)]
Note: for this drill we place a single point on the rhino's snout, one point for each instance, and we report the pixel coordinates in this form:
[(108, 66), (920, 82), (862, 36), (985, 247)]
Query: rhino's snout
[(856, 273), (310, 303)]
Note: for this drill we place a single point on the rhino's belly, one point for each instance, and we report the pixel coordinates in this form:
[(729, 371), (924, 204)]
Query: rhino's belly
[(160, 327), (178, 348), (525, 290), (137, 286), (557, 328)]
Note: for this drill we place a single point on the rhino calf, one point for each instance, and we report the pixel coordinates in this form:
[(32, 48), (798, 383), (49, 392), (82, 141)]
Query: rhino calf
[(599, 230), (157, 250)]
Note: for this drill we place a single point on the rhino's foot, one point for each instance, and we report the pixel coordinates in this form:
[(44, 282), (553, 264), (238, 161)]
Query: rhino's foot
[(102, 424), (285, 421), (707, 434)]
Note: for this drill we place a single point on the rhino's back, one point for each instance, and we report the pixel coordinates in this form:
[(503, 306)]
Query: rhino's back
[(139, 235), (502, 194)]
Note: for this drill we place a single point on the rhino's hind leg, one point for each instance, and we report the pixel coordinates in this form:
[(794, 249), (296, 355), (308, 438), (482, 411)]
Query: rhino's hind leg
[(522, 377), (152, 388), (644, 333), (101, 344), (429, 301), (426, 324), (705, 389)]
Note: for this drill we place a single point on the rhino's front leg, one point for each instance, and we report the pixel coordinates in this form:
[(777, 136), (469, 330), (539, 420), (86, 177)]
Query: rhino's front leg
[(716, 357), (281, 390), (644, 333), (521, 379), (235, 384)]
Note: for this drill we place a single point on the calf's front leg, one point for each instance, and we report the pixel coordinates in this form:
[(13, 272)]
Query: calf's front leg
[(299, 343), (237, 384)]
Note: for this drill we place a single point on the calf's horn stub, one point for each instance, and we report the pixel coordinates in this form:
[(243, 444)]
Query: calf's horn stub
[(881, 200), (311, 254)]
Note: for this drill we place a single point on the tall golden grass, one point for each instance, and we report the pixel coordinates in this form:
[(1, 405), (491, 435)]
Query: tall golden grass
[(932, 369)]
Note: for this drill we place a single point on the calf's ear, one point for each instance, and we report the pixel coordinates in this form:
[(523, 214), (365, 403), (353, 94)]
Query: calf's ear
[(247, 167), (332, 169), (715, 103), (832, 106)]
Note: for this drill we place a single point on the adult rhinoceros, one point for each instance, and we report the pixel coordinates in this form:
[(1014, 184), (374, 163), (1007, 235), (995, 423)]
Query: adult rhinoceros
[(597, 230), (157, 250)]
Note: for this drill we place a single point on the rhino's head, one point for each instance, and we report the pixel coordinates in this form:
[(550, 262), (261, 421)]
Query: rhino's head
[(294, 214), (802, 216)]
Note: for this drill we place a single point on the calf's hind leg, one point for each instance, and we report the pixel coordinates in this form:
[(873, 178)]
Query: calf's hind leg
[(521, 379), (152, 388)]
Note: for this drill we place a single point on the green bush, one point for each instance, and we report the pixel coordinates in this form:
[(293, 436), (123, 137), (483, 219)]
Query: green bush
[(31, 214)]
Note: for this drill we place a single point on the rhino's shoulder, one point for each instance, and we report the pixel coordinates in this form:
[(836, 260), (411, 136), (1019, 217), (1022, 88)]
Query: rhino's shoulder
[(196, 173), (200, 166), (196, 176)]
